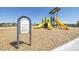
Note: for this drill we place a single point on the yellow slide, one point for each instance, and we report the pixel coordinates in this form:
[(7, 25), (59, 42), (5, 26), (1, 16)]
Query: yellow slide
[(42, 25), (49, 26), (39, 26), (60, 24)]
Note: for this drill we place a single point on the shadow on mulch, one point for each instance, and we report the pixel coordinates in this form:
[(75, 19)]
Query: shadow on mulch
[(14, 44)]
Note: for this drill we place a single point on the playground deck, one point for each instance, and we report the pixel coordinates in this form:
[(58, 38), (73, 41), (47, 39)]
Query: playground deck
[(42, 39)]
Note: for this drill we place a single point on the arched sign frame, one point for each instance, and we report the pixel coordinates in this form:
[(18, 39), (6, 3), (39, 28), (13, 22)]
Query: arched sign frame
[(18, 29)]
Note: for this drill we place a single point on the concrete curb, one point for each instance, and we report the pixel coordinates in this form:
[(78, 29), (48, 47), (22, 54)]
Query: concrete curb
[(70, 46)]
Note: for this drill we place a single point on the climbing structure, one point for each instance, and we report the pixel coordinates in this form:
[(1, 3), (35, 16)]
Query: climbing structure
[(56, 22), (52, 22)]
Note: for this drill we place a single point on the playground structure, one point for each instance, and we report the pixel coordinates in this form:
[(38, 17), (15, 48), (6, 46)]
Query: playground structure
[(45, 24), (52, 22)]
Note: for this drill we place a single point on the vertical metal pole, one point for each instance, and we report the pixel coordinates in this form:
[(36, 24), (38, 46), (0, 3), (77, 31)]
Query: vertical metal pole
[(30, 33), (17, 36)]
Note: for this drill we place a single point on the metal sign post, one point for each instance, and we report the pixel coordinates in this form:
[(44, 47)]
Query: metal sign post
[(23, 26)]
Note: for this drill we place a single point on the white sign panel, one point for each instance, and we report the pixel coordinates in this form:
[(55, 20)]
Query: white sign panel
[(24, 25)]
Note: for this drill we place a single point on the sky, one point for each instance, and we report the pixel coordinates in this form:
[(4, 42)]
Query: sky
[(36, 14)]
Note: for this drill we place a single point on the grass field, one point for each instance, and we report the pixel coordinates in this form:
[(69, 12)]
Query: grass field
[(42, 39)]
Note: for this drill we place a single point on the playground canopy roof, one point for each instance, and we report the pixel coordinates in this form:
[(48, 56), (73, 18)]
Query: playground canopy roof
[(53, 11)]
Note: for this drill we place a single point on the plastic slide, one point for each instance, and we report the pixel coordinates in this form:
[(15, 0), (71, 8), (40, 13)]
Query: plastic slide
[(39, 26), (60, 24), (49, 26), (42, 25)]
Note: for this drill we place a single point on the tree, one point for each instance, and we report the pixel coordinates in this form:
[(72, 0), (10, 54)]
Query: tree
[(14, 24), (1, 24), (78, 23)]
